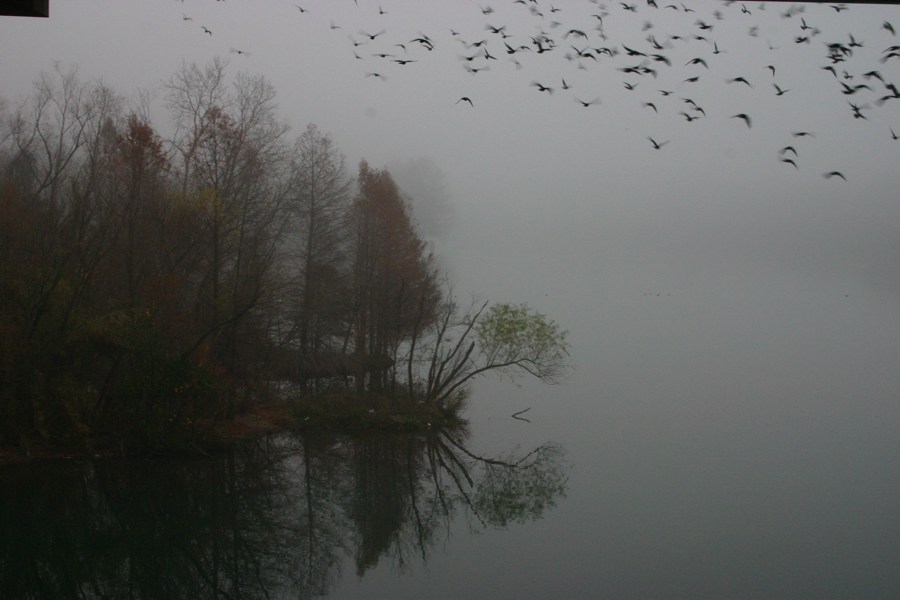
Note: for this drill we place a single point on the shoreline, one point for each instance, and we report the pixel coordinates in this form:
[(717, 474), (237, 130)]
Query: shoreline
[(259, 421)]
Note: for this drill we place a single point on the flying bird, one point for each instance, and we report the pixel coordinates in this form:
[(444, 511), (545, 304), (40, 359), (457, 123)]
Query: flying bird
[(852, 90), (831, 174), (857, 111), (372, 36), (874, 74), (779, 91), (743, 116), (657, 145), (465, 99), (739, 80)]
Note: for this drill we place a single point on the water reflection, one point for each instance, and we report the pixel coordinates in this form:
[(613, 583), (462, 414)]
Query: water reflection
[(270, 519)]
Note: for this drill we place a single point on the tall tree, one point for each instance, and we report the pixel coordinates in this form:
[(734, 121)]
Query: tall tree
[(233, 164), (58, 235), (319, 202), (392, 271)]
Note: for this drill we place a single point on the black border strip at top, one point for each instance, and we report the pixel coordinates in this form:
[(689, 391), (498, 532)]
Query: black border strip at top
[(41, 8), (25, 8)]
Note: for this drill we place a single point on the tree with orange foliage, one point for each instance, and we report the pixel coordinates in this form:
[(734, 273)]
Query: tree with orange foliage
[(393, 274)]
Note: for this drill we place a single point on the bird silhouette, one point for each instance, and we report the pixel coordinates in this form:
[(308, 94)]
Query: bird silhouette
[(739, 80), (873, 74), (831, 174), (586, 103), (779, 91), (372, 36), (657, 145), (853, 89), (857, 111), (465, 99), (743, 116)]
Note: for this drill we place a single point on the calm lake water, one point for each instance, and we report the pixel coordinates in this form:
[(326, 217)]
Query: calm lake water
[(742, 445)]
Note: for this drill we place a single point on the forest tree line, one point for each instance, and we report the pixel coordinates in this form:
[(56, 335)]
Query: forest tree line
[(151, 282)]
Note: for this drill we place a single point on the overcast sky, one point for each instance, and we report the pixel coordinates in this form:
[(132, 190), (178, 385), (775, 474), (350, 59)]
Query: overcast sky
[(534, 181)]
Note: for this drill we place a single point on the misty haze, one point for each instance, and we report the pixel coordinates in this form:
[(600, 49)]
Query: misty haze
[(431, 299)]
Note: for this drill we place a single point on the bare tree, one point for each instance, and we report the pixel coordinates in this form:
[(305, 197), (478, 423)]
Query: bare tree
[(320, 199), (233, 165)]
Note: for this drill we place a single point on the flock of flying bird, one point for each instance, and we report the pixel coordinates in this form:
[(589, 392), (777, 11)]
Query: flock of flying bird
[(648, 58)]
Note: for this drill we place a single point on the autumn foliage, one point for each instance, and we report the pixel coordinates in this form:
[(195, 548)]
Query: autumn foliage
[(150, 285)]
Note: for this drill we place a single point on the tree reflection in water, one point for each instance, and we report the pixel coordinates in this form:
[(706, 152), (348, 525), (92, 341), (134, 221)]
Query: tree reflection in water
[(269, 519)]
